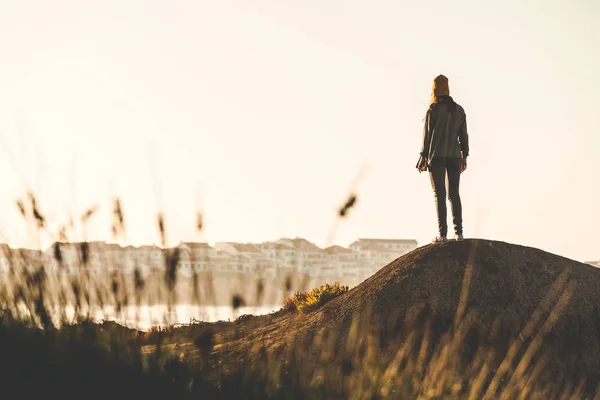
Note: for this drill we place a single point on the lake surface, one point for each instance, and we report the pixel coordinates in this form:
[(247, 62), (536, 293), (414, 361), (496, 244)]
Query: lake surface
[(145, 317)]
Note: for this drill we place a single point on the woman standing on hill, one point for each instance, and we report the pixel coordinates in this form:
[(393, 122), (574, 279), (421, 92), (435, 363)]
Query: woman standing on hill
[(444, 153)]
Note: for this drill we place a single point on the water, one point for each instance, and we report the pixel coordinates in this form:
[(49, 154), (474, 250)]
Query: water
[(145, 317)]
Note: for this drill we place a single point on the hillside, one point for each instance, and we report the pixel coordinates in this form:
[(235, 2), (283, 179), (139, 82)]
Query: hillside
[(488, 295)]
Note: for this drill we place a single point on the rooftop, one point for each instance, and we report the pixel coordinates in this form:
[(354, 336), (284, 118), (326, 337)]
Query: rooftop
[(303, 244), (282, 246), (337, 250), (374, 246), (375, 240), (197, 245), (246, 247)]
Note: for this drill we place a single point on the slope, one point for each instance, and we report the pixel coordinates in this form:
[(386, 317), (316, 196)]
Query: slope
[(496, 296)]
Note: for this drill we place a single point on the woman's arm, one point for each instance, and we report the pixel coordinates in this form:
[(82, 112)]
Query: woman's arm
[(426, 136), (463, 138)]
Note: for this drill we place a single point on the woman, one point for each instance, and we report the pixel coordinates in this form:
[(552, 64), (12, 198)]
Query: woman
[(444, 154)]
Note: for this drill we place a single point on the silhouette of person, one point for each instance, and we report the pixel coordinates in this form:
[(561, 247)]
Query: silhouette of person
[(444, 154)]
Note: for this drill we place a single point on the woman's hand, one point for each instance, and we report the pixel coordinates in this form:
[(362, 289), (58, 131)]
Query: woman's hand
[(463, 165), (422, 165)]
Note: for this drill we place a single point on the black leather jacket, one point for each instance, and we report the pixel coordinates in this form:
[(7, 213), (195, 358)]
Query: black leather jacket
[(445, 131)]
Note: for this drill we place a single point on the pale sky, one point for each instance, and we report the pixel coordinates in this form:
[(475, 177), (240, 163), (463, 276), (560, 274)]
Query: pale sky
[(262, 113)]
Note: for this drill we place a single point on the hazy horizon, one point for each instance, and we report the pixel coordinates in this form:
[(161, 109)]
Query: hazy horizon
[(262, 114)]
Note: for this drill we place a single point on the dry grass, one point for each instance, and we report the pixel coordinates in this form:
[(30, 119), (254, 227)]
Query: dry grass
[(313, 299), (477, 320)]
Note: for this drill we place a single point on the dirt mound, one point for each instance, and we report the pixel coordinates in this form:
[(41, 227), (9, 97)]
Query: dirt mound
[(545, 306)]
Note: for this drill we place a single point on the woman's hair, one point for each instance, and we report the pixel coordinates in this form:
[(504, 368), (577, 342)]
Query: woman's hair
[(440, 88)]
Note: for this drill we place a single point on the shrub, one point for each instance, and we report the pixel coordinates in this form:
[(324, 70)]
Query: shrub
[(309, 301)]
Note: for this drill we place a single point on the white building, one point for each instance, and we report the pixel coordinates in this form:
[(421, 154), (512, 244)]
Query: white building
[(593, 263), (266, 268), (198, 251), (152, 258), (309, 254), (362, 258), (239, 248), (398, 246), (284, 255), (63, 258), (195, 257), (241, 256), (345, 261)]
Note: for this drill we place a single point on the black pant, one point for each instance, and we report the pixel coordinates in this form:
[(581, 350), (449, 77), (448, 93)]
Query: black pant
[(438, 171)]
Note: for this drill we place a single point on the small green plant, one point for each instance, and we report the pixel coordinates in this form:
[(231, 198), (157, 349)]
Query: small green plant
[(309, 301)]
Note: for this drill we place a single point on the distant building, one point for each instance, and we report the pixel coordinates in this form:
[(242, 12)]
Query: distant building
[(267, 259), (400, 246), (238, 248), (375, 253), (265, 268), (312, 254), (285, 255), (336, 250), (593, 263), (196, 257), (345, 261), (63, 257), (198, 251), (152, 256), (222, 261)]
